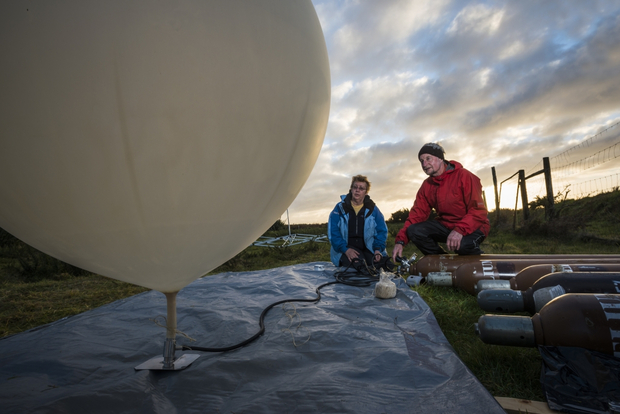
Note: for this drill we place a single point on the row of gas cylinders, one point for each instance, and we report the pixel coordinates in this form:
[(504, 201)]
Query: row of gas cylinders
[(574, 299)]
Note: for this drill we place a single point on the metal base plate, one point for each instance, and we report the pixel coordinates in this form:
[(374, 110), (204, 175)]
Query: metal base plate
[(157, 363)]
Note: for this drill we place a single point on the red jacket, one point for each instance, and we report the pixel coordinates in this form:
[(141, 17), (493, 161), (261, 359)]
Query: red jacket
[(456, 196)]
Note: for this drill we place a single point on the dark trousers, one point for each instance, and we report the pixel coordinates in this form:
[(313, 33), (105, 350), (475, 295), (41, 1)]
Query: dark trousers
[(428, 234)]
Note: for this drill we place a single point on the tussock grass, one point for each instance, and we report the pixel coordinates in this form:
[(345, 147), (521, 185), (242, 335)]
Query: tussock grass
[(25, 305)]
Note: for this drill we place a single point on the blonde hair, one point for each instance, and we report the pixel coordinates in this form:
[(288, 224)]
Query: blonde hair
[(360, 179)]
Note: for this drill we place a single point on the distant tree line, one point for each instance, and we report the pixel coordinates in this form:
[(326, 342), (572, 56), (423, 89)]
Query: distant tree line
[(29, 263), (401, 215)]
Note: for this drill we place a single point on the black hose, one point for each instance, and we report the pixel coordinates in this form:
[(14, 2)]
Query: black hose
[(362, 276), (261, 322)]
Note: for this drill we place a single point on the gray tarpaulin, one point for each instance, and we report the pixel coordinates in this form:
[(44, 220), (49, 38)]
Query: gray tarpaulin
[(349, 353)]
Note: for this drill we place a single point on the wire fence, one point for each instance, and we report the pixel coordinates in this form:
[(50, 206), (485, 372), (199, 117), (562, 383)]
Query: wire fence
[(586, 169)]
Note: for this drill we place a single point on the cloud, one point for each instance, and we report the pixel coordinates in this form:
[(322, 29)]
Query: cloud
[(479, 19), (498, 83)]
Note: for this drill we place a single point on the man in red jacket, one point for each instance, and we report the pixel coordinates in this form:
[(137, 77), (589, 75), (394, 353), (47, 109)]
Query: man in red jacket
[(456, 196)]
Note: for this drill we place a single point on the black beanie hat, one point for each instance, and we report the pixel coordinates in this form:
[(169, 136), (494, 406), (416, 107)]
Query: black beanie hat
[(433, 149)]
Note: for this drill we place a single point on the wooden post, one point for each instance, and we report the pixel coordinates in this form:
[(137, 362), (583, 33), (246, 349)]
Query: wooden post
[(526, 211), (496, 195), (514, 216), (549, 211)]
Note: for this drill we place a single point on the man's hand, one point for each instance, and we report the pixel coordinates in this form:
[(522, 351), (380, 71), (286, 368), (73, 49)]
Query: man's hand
[(454, 240), (397, 252), (351, 254)]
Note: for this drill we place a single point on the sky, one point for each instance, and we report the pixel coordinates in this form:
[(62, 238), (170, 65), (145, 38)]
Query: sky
[(497, 83)]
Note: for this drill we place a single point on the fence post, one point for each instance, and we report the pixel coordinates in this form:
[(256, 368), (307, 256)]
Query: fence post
[(550, 201), (526, 211), (496, 196), (514, 216)]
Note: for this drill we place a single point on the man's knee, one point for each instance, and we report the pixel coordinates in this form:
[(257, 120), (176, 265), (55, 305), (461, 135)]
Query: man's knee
[(418, 231)]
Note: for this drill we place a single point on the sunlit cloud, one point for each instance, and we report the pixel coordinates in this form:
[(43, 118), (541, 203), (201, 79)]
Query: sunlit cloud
[(476, 18), (498, 83)]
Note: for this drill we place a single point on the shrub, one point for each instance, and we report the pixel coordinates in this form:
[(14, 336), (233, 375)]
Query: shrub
[(399, 216)]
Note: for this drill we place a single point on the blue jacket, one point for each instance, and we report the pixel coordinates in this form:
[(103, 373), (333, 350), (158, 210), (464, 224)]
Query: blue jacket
[(375, 229)]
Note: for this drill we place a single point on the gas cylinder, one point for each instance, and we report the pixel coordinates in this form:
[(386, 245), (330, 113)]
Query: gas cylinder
[(585, 320), (526, 277), (450, 262), (467, 275), (547, 288)]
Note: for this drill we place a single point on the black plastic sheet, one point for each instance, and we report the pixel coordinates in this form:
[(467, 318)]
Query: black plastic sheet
[(576, 380), (349, 353)]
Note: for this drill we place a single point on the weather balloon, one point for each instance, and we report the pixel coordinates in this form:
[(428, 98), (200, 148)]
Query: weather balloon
[(149, 140)]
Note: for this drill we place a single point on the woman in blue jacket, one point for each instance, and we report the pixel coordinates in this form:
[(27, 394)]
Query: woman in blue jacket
[(356, 228)]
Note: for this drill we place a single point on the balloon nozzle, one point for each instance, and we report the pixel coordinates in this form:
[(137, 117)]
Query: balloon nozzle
[(169, 347), (167, 362), (405, 264)]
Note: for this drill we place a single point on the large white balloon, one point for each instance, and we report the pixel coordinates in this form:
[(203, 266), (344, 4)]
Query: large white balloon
[(152, 140)]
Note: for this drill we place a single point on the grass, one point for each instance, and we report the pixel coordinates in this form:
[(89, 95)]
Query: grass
[(25, 305), (48, 291), (504, 371)]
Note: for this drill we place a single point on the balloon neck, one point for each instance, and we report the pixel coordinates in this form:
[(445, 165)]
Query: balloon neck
[(171, 330), (171, 320)]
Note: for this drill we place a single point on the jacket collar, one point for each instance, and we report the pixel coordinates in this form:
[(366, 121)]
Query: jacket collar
[(455, 166), (368, 203)]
